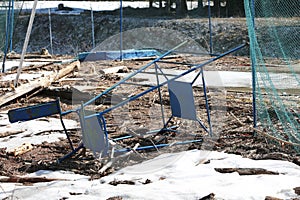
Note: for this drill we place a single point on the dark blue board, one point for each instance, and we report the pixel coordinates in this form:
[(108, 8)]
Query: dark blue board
[(115, 55), (34, 112)]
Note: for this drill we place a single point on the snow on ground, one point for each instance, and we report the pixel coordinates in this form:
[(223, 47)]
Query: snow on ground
[(24, 76), (172, 176), (185, 175), (221, 78), (34, 131), (15, 63)]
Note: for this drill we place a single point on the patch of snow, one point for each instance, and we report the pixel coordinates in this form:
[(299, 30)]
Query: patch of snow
[(186, 177), (15, 63), (219, 78), (58, 175), (24, 76), (30, 131)]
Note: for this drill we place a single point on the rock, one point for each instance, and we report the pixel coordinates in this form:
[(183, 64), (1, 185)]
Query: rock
[(211, 196), (297, 190), (115, 198), (44, 52)]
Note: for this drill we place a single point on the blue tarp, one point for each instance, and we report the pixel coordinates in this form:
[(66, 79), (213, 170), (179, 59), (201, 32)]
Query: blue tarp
[(115, 55)]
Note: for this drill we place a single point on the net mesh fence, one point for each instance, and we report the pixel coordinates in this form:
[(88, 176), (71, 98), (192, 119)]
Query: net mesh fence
[(274, 32)]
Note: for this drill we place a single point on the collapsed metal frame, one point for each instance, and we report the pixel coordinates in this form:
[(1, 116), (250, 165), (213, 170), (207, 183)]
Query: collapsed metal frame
[(100, 115)]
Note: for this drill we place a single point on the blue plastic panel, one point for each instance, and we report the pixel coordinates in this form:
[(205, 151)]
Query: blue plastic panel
[(93, 135), (34, 112), (182, 100)]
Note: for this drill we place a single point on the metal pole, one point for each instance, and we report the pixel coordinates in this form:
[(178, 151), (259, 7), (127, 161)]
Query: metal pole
[(50, 31), (160, 96), (253, 61), (253, 12), (206, 102), (7, 34), (12, 24), (121, 29), (210, 29), (93, 28), (26, 42)]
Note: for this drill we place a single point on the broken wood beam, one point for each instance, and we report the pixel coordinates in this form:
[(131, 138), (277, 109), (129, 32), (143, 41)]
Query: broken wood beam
[(17, 179), (29, 56), (246, 171), (9, 133), (24, 148), (42, 82)]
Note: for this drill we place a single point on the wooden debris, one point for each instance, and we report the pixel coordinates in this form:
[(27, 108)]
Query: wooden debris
[(9, 133), (283, 142), (109, 164), (17, 179), (147, 181), (276, 156), (21, 149), (115, 198), (297, 190), (272, 198), (211, 196), (67, 93), (246, 171), (75, 193), (115, 183), (42, 54), (42, 82), (237, 119)]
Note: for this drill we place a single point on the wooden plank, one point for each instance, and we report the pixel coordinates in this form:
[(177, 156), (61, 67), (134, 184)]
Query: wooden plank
[(42, 82), (29, 56), (17, 179), (246, 171), (24, 148), (9, 133)]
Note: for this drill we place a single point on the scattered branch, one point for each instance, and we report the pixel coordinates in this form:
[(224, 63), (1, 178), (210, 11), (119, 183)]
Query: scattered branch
[(109, 164), (17, 179)]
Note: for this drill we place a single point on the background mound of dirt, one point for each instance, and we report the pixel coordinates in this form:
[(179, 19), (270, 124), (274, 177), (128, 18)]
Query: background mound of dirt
[(72, 34)]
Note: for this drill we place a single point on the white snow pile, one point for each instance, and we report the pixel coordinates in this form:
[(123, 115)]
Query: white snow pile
[(185, 175), (33, 132)]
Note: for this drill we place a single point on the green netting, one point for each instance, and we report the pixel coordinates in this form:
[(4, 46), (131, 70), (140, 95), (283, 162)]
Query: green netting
[(274, 32)]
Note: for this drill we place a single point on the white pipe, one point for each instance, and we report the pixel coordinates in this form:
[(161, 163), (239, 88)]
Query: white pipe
[(26, 42), (50, 31), (93, 28)]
